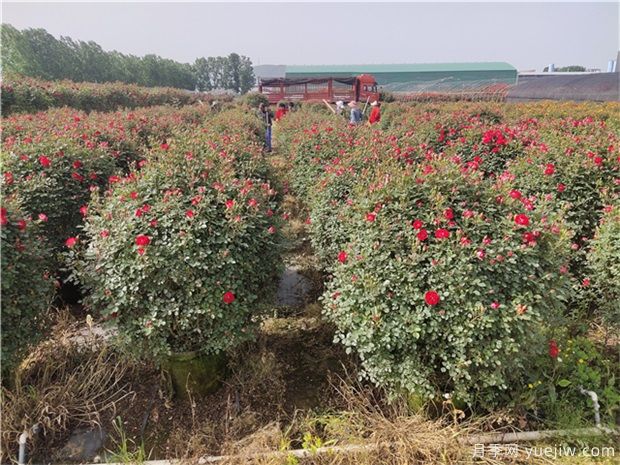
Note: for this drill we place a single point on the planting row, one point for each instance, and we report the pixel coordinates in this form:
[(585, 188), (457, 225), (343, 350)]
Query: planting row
[(27, 95), (465, 243), (165, 219)]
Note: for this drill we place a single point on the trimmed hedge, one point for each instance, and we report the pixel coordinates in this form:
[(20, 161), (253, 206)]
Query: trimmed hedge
[(28, 95)]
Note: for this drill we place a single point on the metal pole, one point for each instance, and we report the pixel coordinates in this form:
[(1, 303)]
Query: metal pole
[(365, 105), (21, 458)]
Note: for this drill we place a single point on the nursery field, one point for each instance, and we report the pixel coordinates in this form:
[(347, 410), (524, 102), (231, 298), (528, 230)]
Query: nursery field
[(456, 273)]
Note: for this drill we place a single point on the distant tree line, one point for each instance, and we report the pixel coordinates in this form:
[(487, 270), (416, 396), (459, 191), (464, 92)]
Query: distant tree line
[(567, 69), (37, 53)]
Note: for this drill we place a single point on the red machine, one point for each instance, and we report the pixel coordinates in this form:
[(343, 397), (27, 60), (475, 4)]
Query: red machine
[(332, 89)]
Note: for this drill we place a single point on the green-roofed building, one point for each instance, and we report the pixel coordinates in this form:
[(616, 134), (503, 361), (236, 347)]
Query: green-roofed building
[(417, 77)]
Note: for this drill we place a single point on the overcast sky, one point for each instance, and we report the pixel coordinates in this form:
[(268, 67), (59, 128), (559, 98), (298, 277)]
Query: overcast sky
[(527, 35)]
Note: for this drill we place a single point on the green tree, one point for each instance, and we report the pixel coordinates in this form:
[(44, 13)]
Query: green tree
[(234, 72), (203, 78), (13, 60), (247, 80), (567, 69), (36, 53)]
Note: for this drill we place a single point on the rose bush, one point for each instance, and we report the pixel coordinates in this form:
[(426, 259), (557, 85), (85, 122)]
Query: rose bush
[(576, 163), (54, 177), (27, 283), (180, 253), (603, 279), (445, 288), (51, 160)]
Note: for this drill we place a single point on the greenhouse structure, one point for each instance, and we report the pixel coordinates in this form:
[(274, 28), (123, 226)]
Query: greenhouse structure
[(437, 77)]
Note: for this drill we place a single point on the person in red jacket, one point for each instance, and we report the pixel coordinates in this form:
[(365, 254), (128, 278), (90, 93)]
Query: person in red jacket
[(281, 111), (375, 113)]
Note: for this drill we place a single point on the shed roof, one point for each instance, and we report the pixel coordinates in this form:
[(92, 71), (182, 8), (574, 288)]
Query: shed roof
[(401, 68)]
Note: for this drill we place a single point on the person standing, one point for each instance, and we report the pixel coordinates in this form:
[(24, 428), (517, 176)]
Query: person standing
[(280, 112), (375, 113), (266, 117), (356, 113), (339, 107)]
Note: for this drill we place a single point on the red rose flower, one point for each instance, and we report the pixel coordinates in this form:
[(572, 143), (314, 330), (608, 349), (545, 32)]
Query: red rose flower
[(522, 219), (561, 187), (44, 161), (252, 203), (554, 351), (228, 297), (549, 169), (71, 242), (189, 213), (77, 164), (515, 194), (422, 235), (448, 214), (142, 240), (598, 161), (417, 224), (370, 217), (442, 233), (431, 298), (21, 225), (83, 210), (105, 233), (342, 256), (230, 203), (529, 238), (42, 217)]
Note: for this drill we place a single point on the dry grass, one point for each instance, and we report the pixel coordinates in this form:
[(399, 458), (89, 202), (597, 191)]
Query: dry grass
[(61, 384), (255, 391), (364, 430)]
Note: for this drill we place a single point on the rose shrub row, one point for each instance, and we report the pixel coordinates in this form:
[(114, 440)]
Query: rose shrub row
[(51, 164), (51, 161), (450, 235), (24, 94)]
